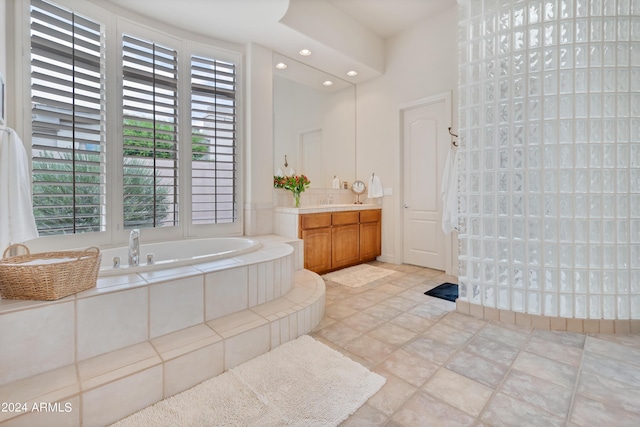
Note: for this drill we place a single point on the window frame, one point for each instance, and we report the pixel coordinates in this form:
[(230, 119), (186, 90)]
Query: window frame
[(186, 45)]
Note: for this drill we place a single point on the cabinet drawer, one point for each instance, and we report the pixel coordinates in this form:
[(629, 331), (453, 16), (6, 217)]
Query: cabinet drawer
[(370, 216), (315, 221), (343, 218)]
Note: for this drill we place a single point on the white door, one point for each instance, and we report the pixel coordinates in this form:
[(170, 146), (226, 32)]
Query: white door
[(425, 143)]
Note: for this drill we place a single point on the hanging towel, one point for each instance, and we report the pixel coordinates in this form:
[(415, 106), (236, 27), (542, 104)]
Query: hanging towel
[(449, 192), (17, 223), (336, 182), (375, 187)]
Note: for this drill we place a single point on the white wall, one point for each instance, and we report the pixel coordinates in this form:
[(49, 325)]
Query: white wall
[(420, 62), (258, 142), (3, 37)]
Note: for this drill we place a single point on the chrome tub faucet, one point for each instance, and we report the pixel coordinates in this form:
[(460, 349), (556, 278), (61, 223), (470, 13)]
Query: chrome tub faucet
[(134, 247)]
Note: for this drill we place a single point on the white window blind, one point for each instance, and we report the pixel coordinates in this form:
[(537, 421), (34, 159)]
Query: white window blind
[(213, 123), (67, 96), (150, 134)]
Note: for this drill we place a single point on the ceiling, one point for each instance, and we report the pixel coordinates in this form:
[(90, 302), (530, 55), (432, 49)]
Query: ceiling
[(343, 35), (387, 18)]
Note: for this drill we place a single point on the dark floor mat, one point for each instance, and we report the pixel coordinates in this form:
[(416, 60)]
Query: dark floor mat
[(448, 291)]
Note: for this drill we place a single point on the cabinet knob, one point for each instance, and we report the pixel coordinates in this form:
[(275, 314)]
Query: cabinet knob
[(406, 206)]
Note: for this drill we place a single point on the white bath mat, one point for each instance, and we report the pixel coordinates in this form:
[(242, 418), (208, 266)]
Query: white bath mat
[(358, 275), (300, 383)]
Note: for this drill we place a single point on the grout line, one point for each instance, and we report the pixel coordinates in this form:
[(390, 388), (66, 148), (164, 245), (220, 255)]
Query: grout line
[(575, 385), (505, 376), (76, 362)]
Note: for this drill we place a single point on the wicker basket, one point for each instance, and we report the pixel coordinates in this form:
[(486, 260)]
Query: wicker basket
[(48, 276)]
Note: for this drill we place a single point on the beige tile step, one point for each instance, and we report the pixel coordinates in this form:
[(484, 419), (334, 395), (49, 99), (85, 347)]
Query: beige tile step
[(168, 364)]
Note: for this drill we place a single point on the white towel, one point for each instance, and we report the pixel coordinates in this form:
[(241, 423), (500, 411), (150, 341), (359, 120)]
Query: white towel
[(336, 182), (449, 191), (17, 223), (375, 187)]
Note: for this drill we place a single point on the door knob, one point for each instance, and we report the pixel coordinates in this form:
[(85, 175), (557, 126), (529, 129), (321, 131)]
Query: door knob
[(406, 206)]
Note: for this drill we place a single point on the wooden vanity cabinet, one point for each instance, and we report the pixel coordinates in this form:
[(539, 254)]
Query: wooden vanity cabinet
[(334, 240)]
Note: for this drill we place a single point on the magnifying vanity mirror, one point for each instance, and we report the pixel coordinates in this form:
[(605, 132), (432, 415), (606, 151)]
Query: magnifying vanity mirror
[(314, 123), (358, 188)]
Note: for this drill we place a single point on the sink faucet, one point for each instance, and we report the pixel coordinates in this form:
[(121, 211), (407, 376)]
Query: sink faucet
[(134, 247)]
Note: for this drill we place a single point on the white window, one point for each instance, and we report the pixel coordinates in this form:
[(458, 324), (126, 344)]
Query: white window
[(213, 124), (163, 156), (67, 86), (150, 134)]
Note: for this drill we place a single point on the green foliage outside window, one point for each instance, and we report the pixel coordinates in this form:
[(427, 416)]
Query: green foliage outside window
[(58, 193), (137, 135), (140, 211), (55, 204)]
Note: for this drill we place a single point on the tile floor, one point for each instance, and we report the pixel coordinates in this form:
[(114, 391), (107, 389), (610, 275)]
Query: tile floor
[(448, 369)]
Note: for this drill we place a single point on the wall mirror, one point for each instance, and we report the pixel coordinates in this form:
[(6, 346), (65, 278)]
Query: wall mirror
[(314, 123)]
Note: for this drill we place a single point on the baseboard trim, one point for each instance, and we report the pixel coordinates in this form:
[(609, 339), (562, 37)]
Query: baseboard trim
[(588, 326)]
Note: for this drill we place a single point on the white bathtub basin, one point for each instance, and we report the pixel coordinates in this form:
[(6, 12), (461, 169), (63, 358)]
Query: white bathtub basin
[(174, 254)]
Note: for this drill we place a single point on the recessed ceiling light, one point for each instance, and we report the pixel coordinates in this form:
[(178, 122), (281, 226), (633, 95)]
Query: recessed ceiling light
[(352, 73), (328, 83), (305, 52), (281, 65)]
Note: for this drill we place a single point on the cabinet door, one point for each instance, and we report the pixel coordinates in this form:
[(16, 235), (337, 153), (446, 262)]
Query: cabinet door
[(345, 245), (317, 249), (370, 241)]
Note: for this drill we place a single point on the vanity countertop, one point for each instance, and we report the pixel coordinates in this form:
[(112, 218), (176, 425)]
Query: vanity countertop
[(327, 208)]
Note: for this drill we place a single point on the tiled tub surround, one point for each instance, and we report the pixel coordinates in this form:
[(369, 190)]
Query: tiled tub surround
[(135, 339)]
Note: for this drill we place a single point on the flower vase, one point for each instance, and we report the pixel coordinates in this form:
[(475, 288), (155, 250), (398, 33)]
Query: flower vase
[(296, 199)]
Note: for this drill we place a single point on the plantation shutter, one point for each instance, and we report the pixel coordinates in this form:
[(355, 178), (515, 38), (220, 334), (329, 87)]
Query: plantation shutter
[(150, 134), (213, 123), (67, 97)]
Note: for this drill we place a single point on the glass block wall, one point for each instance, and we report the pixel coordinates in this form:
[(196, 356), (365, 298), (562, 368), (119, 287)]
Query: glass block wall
[(549, 161)]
